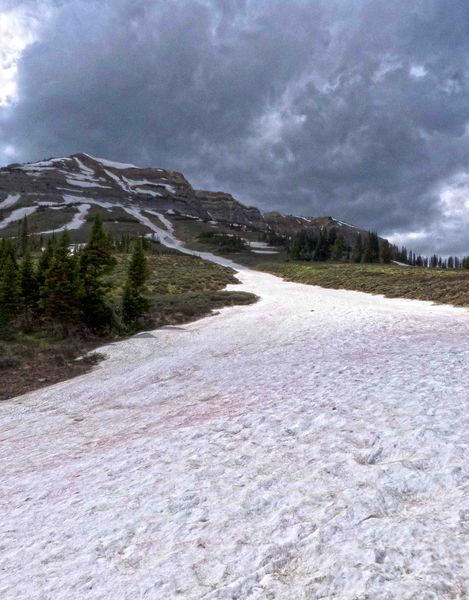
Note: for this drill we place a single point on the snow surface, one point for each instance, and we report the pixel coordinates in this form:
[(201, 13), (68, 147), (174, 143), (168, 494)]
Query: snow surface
[(259, 245), (112, 164), (42, 165), (134, 185), (119, 181), (83, 168), (401, 264), (79, 182), (78, 220), (346, 224), (10, 200), (147, 192), (313, 445), (17, 214)]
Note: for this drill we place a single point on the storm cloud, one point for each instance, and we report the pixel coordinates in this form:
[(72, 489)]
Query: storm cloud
[(353, 108)]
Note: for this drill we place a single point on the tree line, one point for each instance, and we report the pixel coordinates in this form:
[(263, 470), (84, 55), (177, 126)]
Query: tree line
[(66, 288), (327, 245), (368, 248)]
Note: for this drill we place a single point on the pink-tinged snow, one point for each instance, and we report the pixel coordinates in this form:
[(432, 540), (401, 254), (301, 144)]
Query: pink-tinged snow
[(10, 200), (313, 445)]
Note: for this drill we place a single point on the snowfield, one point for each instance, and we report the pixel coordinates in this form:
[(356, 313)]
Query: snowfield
[(313, 445)]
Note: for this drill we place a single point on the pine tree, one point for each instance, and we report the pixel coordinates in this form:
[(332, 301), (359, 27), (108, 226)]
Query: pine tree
[(357, 251), (375, 246), (6, 250), (62, 291), (134, 303), (138, 269), (96, 261), (338, 249), (386, 252), (24, 239), (322, 250), (367, 254), (9, 296), (44, 263), (303, 246), (29, 290)]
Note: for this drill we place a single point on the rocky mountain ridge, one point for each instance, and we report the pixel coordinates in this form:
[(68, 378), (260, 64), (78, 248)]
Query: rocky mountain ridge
[(81, 181)]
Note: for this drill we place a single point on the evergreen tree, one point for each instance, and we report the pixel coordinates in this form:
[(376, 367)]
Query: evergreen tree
[(386, 252), (96, 261), (138, 269), (374, 246), (29, 289), (303, 246), (339, 248), (134, 303), (62, 291), (44, 263), (9, 296), (370, 248), (322, 250), (6, 250), (24, 239), (357, 251)]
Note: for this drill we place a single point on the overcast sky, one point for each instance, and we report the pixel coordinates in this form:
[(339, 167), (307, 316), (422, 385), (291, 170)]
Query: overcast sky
[(353, 108)]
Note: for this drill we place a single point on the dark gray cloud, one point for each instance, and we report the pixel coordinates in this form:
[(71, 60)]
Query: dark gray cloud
[(356, 109)]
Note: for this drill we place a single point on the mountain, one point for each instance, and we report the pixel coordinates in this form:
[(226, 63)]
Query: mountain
[(61, 192)]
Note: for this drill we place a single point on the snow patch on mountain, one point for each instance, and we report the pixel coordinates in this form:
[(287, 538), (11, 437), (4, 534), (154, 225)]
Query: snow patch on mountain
[(18, 214), (112, 164), (10, 200), (78, 220)]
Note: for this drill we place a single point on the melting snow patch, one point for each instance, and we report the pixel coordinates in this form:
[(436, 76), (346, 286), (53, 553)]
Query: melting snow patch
[(81, 182), (78, 220), (17, 214), (112, 164), (270, 452), (10, 200)]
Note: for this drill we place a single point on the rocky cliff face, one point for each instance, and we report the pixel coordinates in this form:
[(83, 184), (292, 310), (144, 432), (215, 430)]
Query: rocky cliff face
[(222, 207), (81, 181)]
